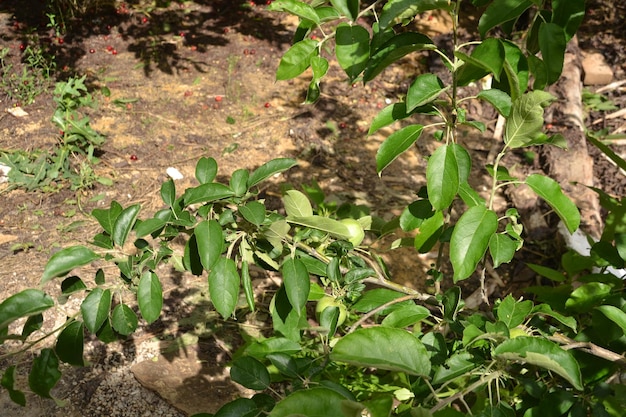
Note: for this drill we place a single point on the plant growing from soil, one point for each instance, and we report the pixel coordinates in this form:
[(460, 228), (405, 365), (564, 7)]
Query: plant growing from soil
[(375, 348)]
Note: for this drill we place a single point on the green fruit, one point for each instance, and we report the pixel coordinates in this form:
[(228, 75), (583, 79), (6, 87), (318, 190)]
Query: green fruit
[(355, 231), (328, 301)]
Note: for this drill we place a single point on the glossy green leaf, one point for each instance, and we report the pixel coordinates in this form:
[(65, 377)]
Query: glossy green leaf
[(406, 316), (375, 298), (442, 177), (150, 296), (551, 192), (501, 11), (394, 49), (8, 382), (614, 314), (429, 232), (246, 283), (312, 402), (240, 407), (326, 224), (487, 58), (414, 215), (206, 192), (588, 296), (424, 89), (470, 240), (250, 373), (23, 304), (296, 59), (546, 272), (395, 10), (286, 320), (297, 282), (124, 320), (33, 324), (463, 161), (206, 170), (526, 120), (224, 286), (546, 310), (210, 239), (66, 260), (352, 49), (106, 217), (44, 373), (397, 143), (514, 80), (512, 312), (70, 344), (500, 100), (254, 212), (456, 365), (124, 224), (295, 7), (542, 353), (297, 204), (269, 169), (277, 231), (149, 226), (383, 348), (470, 196), (239, 182), (168, 192), (568, 14), (191, 256), (388, 115), (347, 8), (552, 44), (95, 308), (502, 249)]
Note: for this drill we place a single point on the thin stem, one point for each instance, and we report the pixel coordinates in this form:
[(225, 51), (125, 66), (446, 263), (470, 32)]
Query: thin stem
[(485, 380), (381, 308)]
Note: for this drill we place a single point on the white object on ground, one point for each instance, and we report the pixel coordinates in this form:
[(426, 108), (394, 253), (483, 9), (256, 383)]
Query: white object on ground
[(174, 174), (4, 173)]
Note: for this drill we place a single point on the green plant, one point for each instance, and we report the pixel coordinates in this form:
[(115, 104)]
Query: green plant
[(73, 159), (399, 351), (25, 85)]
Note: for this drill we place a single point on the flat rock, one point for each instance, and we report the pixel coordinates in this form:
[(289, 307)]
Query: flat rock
[(597, 71)]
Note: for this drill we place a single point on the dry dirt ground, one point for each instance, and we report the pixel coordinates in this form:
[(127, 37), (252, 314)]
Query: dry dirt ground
[(190, 80)]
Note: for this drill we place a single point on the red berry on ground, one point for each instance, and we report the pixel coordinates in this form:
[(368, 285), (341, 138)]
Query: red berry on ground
[(188, 93), (181, 34), (61, 41), (267, 105), (22, 46), (144, 20), (114, 52), (246, 52), (342, 125), (92, 51), (252, 51), (218, 98), (193, 47), (109, 48), (133, 157)]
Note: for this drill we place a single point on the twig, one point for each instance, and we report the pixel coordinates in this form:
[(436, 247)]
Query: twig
[(382, 307), (590, 348)]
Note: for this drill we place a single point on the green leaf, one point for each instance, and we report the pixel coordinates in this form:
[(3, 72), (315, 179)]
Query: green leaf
[(95, 308), (487, 57), (470, 240), (352, 49), (424, 89), (552, 44), (515, 81), (297, 204), (65, 260), (254, 212), (210, 239), (405, 316), (150, 296), (500, 100), (23, 304), (429, 232), (568, 14), (286, 320), (8, 382), (544, 271), (239, 181), (277, 231), (124, 320), (168, 192), (502, 249), (442, 177), (206, 192), (524, 125), (542, 353), (241, 407), (33, 323), (297, 282), (588, 296), (296, 8), (296, 59), (397, 143), (414, 215), (388, 115), (614, 314), (70, 344), (44, 373), (405, 9), (250, 373), (501, 11), (246, 283), (224, 286), (347, 8), (269, 169), (312, 402), (456, 365), (550, 191), (463, 161), (394, 49), (375, 298), (383, 348), (546, 310), (124, 224), (149, 226), (206, 170), (106, 217), (512, 312), (326, 224)]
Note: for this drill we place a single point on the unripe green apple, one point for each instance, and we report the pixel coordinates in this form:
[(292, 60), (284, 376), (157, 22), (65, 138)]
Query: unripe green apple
[(355, 231), (329, 301)]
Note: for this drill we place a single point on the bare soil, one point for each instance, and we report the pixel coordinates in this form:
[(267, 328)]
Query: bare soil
[(198, 79)]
